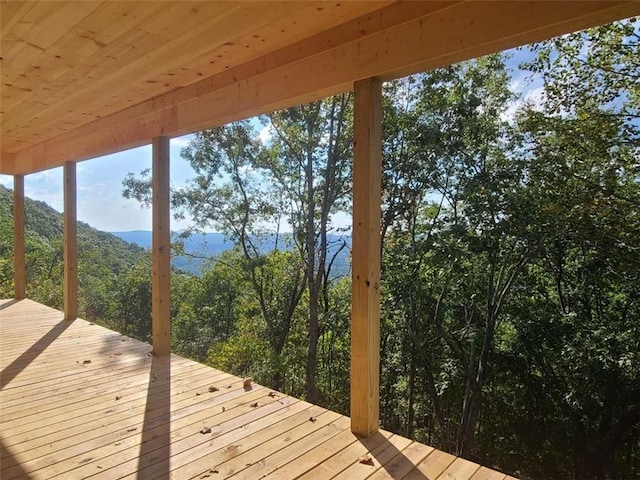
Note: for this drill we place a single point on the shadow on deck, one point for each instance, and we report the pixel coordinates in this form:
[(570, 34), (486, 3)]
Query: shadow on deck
[(81, 401)]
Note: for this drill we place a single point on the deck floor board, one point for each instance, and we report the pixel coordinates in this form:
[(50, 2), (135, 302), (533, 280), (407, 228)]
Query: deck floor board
[(81, 401)]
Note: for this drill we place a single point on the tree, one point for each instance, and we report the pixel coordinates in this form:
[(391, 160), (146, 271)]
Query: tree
[(248, 191), (575, 341), (452, 254), (229, 193), (208, 307), (133, 292), (309, 163)]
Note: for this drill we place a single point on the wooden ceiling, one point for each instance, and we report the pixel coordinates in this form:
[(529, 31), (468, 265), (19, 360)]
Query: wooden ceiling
[(82, 79)]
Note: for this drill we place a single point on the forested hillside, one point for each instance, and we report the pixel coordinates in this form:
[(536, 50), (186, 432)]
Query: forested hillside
[(102, 258)]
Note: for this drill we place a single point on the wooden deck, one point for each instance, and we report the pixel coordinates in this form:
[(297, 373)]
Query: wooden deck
[(81, 401)]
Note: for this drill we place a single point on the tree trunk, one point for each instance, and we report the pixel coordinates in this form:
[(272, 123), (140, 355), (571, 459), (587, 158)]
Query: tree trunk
[(470, 412), (312, 353), (277, 381), (412, 388)]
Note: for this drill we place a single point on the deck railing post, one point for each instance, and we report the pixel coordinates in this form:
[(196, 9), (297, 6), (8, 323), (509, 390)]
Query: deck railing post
[(70, 243), (365, 296), (19, 268), (161, 249)]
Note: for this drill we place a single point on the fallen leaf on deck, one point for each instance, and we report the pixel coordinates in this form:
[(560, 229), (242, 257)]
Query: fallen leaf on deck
[(205, 430), (86, 361), (213, 389), (312, 419), (132, 429), (273, 394), (223, 409), (118, 397), (366, 460), (254, 404), (197, 393), (227, 386)]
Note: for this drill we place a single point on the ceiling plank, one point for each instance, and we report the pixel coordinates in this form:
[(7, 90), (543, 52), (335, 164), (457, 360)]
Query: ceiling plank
[(85, 43), (328, 63), (7, 163), (99, 72), (12, 13)]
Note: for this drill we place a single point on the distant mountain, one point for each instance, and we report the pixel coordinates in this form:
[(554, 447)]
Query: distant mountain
[(206, 245), (142, 238), (212, 244), (45, 224)]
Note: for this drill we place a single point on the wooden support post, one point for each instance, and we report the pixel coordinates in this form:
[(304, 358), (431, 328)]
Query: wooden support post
[(70, 243), (365, 296), (161, 250), (19, 268)]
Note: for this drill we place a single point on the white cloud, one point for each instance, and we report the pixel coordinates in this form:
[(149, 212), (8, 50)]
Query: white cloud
[(7, 181), (265, 134), (181, 142), (45, 186), (533, 97), (99, 188), (517, 85)]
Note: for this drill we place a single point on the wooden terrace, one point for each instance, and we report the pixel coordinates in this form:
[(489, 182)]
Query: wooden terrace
[(80, 401), (82, 79)]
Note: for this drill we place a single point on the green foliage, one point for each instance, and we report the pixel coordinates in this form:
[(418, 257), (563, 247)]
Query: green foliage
[(309, 162), (206, 308), (246, 353), (102, 259), (450, 256), (595, 71), (518, 240), (133, 291)]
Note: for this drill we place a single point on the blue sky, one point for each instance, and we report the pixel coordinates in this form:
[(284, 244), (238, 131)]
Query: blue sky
[(100, 201)]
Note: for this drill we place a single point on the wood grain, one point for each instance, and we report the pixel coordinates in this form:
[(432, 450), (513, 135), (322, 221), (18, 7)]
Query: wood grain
[(127, 414), (70, 242), (85, 79), (19, 266)]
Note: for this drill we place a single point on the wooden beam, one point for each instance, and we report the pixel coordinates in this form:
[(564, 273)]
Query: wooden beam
[(70, 243), (365, 296), (161, 249), (19, 269), (7, 163), (386, 44)]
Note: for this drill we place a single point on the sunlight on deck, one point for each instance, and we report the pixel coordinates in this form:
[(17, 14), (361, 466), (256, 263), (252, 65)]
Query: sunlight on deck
[(81, 401)]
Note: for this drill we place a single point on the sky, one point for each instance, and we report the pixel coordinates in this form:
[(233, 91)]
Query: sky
[(99, 180)]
